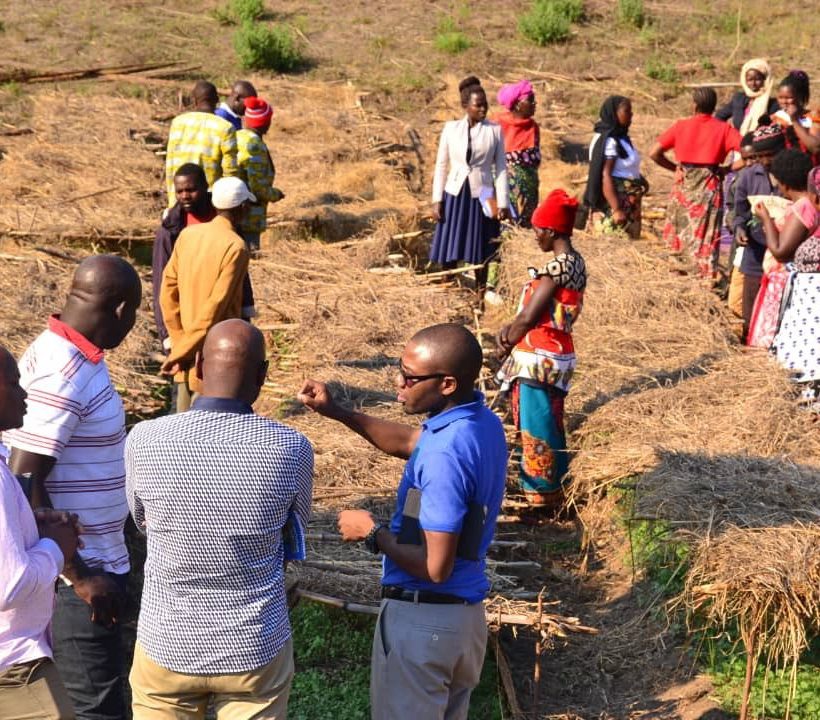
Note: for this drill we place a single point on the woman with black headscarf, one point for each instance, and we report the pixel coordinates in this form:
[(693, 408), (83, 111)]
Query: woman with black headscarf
[(615, 185)]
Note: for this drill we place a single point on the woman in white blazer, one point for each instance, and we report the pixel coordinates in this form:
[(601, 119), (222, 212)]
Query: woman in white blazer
[(470, 191)]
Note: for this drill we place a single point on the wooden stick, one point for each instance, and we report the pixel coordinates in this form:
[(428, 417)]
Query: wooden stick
[(507, 683), (711, 84), (277, 326), (536, 671), (338, 602), (29, 76), (355, 567), (454, 271), (90, 235), (750, 672), (16, 131), (322, 536), (56, 253), (87, 195), (737, 31), (556, 622), (142, 80), (409, 235)]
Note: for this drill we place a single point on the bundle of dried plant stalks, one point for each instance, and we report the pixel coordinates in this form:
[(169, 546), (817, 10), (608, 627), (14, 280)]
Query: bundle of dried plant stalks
[(706, 493), (767, 580)]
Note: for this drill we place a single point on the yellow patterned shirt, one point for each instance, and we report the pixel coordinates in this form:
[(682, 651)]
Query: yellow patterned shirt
[(204, 139), (257, 170)]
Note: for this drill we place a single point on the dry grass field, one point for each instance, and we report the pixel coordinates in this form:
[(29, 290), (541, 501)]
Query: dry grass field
[(707, 436)]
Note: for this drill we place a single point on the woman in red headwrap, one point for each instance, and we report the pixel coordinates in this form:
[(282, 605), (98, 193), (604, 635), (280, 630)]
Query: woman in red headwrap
[(541, 354)]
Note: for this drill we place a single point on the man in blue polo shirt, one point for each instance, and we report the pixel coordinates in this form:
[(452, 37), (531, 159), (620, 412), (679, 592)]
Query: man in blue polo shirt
[(431, 634)]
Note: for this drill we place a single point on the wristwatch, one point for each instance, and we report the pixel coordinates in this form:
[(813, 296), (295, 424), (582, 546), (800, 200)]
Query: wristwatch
[(370, 540)]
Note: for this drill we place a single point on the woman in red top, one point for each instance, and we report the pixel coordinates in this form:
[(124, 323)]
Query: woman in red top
[(541, 352), (694, 214)]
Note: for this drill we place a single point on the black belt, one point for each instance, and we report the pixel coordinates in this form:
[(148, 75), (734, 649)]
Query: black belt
[(394, 592)]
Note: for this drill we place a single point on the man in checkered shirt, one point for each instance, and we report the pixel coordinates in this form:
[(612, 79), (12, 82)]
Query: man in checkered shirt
[(224, 496)]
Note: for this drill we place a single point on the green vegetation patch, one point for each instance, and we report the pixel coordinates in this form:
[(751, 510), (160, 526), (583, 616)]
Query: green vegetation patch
[(267, 47), (239, 11), (632, 12), (550, 21), (659, 69), (450, 39), (725, 661), (332, 680)]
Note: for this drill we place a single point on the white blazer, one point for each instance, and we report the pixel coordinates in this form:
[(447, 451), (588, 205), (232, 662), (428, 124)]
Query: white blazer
[(488, 164)]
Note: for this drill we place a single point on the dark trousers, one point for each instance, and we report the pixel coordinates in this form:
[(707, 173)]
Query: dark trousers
[(751, 286), (88, 656)]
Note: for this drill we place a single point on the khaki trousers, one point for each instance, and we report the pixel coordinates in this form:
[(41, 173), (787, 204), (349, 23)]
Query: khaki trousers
[(426, 660), (182, 397), (735, 299), (33, 691), (261, 694)]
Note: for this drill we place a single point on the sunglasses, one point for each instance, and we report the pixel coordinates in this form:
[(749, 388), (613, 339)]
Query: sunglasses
[(411, 380)]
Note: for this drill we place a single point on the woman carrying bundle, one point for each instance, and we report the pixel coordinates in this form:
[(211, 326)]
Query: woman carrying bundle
[(615, 185), (470, 192), (694, 214), (746, 107), (541, 357), (522, 143)]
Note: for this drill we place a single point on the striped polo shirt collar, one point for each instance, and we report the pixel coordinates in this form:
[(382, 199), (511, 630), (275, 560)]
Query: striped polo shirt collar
[(221, 405), (88, 349)]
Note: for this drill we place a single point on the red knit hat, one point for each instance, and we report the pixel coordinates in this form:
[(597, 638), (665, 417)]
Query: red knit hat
[(556, 212), (257, 112)]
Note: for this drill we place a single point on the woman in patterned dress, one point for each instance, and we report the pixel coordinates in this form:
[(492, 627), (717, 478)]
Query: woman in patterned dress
[(797, 343), (522, 143), (615, 185), (695, 210), (541, 354)]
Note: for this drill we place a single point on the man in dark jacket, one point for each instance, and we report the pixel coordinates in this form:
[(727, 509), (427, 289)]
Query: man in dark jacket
[(193, 207)]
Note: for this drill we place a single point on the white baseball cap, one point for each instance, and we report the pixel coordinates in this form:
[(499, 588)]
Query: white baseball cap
[(230, 192)]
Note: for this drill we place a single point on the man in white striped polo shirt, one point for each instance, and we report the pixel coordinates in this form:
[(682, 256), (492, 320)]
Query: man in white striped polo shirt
[(72, 444)]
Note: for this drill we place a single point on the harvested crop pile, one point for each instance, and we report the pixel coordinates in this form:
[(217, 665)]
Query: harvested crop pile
[(705, 493), (743, 405), (767, 580)]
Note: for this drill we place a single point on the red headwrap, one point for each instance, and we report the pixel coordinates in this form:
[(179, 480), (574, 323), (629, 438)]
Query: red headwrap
[(556, 212), (257, 112)]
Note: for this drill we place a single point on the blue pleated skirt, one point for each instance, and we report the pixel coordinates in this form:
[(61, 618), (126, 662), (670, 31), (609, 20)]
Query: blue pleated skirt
[(465, 234)]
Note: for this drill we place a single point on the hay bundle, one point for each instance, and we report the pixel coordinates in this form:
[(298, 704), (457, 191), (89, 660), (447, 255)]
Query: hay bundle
[(767, 580), (743, 405), (704, 493)]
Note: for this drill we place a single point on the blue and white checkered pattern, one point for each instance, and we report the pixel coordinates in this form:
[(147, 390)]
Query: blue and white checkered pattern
[(213, 490)]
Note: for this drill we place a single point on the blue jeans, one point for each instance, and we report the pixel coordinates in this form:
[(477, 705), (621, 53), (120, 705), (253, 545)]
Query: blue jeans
[(88, 656)]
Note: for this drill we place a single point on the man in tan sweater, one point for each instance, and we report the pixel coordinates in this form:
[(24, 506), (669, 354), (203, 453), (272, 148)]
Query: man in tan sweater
[(202, 284)]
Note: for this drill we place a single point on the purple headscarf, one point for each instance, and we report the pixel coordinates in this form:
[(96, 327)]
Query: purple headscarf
[(510, 94)]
